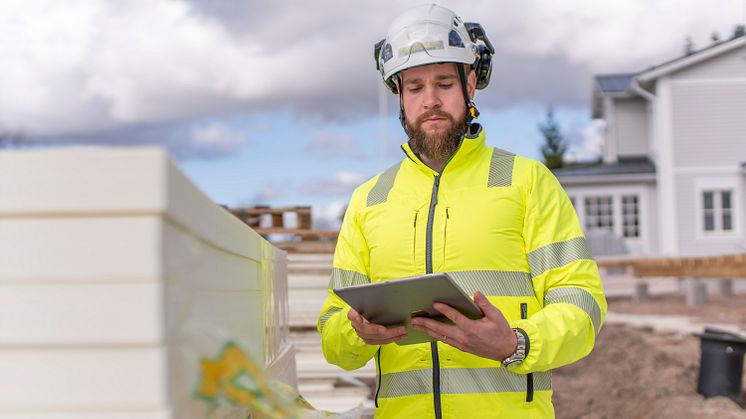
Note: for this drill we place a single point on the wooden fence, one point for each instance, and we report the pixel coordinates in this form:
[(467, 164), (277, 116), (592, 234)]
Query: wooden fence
[(690, 271)]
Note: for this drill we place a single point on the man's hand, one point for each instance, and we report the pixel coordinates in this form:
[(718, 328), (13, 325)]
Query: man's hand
[(489, 337), (375, 334)]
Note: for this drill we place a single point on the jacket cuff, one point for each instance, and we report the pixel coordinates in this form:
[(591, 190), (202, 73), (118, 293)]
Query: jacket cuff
[(533, 346)]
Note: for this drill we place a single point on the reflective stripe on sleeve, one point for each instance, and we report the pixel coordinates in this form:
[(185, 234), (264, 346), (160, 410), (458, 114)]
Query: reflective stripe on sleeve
[(577, 297), (495, 283), (558, 254), (380, 191), (501, 168), (329, 313), (343, 278), (460, 381)]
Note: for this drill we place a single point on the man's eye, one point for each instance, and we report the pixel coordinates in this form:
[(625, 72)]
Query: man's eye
[(446, 85), (415, 89)]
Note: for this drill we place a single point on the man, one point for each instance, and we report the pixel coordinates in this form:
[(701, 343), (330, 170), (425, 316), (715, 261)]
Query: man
[(499, 224)]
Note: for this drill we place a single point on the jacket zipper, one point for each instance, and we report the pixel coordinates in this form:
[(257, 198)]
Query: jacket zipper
[(529, 376), (429, 269)]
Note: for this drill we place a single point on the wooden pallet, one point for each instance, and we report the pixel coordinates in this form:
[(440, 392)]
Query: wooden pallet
[(300, 237)]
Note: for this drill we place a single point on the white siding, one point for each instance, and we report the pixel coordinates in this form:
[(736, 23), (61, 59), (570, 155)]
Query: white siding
[(631, 127), (692, 241), (709, 123), (651, 217), (728, 65)]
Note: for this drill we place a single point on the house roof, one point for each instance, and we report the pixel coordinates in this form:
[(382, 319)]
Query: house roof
[(619, 85), (691, 59), (625, 166), (614, 83)]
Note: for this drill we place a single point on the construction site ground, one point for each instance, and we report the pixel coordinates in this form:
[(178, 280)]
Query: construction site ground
[(645, 363)]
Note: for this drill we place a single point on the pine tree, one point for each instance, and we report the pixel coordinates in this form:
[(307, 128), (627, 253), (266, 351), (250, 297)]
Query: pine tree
[(554, 146)]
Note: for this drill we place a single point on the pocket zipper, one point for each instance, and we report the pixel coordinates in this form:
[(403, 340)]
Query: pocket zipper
[(414, 243), (529, 376), (445, 234)]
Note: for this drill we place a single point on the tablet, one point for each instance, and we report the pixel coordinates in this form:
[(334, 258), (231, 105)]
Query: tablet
[(396, 301)]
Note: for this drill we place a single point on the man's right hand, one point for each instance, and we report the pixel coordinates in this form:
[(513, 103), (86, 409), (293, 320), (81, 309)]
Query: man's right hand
[(375, 334)]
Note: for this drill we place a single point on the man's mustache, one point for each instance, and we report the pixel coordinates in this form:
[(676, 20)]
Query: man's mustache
[(432, 113)]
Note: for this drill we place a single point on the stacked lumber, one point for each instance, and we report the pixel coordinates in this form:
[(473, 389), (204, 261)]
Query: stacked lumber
[(127, 293)]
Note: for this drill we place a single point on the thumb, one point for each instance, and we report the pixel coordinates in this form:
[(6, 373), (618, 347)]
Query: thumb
[(490, 311)]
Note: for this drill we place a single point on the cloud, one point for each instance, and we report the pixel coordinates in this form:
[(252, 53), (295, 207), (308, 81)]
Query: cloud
[(207, 139), (343, 182), (327, 146), (218, 138), (268, 193), (329, 216), (86, 67), (587, 144)]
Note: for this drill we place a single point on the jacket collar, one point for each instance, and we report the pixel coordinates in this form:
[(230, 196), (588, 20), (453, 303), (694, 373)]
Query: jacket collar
[(471, 143)]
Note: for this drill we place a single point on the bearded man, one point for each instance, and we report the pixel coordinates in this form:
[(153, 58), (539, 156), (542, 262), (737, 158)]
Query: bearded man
[(499, 224)]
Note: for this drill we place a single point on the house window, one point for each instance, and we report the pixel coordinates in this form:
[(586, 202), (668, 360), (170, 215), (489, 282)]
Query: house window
[(630, 216), (717, 209), (599, 214)]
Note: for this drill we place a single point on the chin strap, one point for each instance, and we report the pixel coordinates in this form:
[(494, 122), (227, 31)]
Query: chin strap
[(402, 116), (471, 108)]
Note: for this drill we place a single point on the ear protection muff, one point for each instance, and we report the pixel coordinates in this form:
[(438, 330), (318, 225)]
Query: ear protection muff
[(485, 50), (386, 48)]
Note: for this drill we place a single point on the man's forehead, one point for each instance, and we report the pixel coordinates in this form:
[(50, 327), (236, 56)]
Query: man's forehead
[(436, 71)]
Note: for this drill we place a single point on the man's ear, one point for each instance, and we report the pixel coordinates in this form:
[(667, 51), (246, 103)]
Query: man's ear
[(471, 83)]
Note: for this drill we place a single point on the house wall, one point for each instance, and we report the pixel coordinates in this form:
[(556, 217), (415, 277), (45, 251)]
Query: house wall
[(630, 129), (726, 65), (707, 105), (709, 122), (693, 240)]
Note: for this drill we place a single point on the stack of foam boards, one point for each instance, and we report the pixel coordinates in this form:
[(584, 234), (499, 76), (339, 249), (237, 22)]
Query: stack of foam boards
[(126, 293)]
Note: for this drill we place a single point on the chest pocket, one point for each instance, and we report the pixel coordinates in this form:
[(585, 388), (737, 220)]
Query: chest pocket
[(395, 232), (483, 229)]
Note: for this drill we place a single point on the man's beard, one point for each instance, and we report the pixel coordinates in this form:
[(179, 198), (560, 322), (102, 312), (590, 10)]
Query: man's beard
[(441, 145)]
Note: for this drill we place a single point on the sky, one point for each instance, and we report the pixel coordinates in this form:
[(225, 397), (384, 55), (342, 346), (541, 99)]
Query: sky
[(279, 103)]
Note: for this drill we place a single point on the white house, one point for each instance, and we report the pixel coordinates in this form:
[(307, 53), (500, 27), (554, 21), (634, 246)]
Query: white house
[(672, 180)]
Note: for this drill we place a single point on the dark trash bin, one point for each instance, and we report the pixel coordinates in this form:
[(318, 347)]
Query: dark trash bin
[(721, 364)]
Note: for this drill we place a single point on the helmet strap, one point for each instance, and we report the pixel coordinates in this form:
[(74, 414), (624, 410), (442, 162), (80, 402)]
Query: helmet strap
[(471, 108), (402, 116)]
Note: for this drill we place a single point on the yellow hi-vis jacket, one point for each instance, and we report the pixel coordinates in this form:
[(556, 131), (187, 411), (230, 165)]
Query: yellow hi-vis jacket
[(498, 223)]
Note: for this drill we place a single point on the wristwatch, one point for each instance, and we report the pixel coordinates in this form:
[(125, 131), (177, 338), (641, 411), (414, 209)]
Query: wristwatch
[(521, 350)]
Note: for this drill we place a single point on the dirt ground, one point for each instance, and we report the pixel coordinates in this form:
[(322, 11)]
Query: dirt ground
[(637, 373)]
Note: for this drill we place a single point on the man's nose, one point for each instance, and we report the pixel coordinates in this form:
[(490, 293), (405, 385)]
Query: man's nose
[(432, 100)]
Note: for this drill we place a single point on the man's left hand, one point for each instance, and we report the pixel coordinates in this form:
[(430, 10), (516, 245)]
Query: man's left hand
[(489, 337)]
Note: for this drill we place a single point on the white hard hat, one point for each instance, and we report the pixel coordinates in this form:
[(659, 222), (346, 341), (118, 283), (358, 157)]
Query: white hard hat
[(432, 34)]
